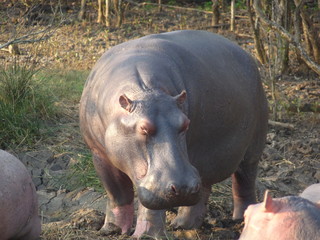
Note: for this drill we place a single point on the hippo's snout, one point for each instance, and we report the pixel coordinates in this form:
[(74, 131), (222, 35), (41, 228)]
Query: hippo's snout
[(155, 193)]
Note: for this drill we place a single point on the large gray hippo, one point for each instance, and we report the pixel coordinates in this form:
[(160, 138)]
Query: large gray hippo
[(19, 217), (169, 115)]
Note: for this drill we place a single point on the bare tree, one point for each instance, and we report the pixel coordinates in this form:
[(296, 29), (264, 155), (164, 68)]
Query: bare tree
[(119, 7), (232, 18), (100, 12), (255, 26), (160, 5), (107, 16), (280, 15), (82, 10), (215, 12), (292, 40), (311, 36)]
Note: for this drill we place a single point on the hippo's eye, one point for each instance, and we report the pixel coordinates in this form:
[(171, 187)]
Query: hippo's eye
[(145, 127), (144, 130), (185, 125)]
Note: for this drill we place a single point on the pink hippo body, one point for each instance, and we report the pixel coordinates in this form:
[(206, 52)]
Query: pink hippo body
[(312, 193), (18, 201), (169, 115), (287, 218)]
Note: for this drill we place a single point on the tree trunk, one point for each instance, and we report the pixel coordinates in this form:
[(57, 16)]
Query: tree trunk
[(306, 36), (118, 5), (100, 12), (297, 35), (107, 13), (272, 25), (215, 12), (261, 55), (232, 20), (311, 37), (160, 5), (82, 10), (281, 16)]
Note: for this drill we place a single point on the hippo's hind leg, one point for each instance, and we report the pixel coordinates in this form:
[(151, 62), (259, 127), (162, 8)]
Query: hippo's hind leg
[(120, 208), (244, 179), (243, 184), (192, 216)]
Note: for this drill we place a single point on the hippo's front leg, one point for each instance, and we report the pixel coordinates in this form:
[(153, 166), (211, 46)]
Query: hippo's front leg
[(192, 216), (150, 223), (120, 208)]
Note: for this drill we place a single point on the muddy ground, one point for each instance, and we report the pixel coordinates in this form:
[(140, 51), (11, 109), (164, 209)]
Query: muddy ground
[(290, 161)]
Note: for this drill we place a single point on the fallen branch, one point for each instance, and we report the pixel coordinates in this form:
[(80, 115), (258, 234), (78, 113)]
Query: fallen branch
[(29, 38), (280, 124), (221, 25), (167, 6), (20, 36), (285, 34)]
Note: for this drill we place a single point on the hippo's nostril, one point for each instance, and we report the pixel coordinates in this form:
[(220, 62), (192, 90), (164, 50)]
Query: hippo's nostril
[(174, 190), (184, 190)]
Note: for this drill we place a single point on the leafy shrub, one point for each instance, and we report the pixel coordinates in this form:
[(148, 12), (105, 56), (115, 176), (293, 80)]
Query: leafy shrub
[(207, 6)]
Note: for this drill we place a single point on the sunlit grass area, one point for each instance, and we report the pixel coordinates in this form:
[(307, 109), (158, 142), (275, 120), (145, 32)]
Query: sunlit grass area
[(30, 98)]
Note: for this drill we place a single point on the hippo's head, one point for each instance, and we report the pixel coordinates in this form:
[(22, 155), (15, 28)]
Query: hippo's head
[(147, 141)]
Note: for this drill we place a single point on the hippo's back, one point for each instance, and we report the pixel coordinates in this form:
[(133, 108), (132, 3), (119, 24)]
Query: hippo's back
[(18, 200)]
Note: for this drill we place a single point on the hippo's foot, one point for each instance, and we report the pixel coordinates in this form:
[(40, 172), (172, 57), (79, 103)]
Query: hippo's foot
[(189, 217), (243, 188), (192, 217), (146, 229), (150, 223), (118, 220), (109, 229), (240, 205)]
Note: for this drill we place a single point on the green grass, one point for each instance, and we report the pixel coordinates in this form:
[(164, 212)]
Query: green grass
[(31, 97), (81, 174), (33, 104), (65, 85), (24, 103)]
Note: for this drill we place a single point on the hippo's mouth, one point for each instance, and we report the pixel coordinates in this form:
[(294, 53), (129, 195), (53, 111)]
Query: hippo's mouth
[(157, 201)]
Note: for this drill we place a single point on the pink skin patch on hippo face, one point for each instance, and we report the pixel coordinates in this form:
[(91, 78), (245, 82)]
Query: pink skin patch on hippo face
[(141, 168), (123, 217), (146, 127), (185, 125)]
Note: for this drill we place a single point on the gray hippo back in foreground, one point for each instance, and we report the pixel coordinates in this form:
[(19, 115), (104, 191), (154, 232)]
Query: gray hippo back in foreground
[(18, 201), (172, 114)]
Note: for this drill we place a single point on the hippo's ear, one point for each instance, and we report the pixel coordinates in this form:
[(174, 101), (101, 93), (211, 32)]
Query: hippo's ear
[(125, 102), (181, 98), (268, 203)]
